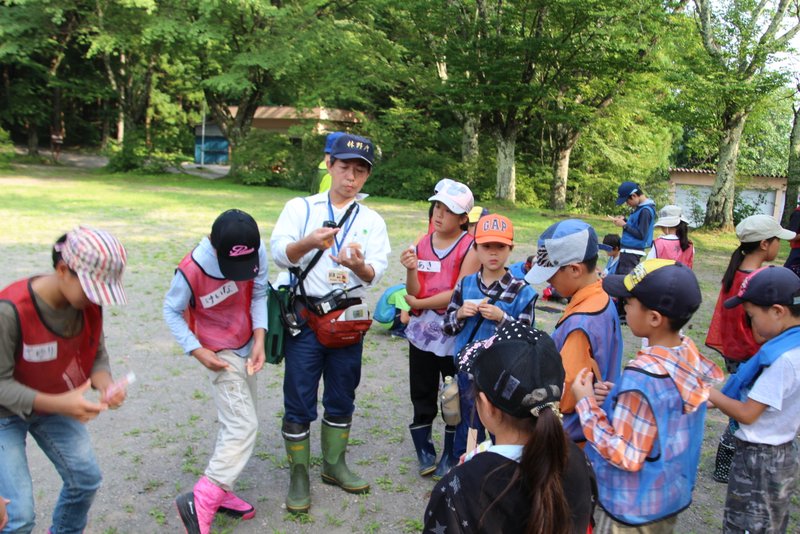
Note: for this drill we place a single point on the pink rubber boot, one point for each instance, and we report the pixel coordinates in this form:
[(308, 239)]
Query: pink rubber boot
[(207, 499), (237, 507)]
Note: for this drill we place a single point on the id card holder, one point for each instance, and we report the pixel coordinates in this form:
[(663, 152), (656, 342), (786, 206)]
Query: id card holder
[(338, 276)]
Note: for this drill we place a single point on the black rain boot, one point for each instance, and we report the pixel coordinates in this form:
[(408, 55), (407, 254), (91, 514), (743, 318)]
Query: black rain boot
[(725, 450), (448, 461), (426, 453)]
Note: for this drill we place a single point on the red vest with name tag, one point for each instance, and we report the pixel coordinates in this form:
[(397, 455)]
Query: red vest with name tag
[(219, 311), (432, 281), (46, 361)]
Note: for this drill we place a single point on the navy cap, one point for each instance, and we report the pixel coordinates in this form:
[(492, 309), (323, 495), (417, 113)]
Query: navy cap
[(236, 238), (349, 146), (519, 369), (332, 137), (626, 190), (666, 286), (768, 286)]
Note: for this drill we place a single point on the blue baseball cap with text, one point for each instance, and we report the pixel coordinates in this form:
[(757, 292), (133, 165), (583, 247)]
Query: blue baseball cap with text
[(349, 146)]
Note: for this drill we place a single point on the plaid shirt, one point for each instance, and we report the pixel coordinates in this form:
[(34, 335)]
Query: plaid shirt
[(505, 290), (627, 441)]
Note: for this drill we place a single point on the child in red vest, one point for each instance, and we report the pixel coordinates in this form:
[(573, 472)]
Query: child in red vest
[(216, 309), (433, 268), (51, 351)]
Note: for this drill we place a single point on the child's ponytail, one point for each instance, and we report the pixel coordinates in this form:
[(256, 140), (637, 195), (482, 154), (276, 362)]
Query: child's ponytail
[(544, 460), (682, 231), (736, 260)]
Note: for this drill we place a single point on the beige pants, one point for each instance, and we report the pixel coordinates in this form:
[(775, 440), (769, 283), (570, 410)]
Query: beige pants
[(235, 396), (607, 525)]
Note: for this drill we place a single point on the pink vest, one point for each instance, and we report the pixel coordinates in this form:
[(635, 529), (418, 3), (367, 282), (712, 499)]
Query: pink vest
[(219, 310), (44, 360), (437, 274), (670, 249)]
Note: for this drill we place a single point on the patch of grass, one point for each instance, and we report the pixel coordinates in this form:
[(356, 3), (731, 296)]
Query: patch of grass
[(158, 516), (300, 519), (412, 525)]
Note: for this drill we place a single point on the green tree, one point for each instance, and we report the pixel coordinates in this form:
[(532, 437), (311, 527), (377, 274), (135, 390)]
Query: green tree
[(740, 38), (34, 39), (793, 172)]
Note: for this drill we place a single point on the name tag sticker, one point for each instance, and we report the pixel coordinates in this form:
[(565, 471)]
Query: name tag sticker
[(215, 297), (338, 276), (45, 352), (429, 266)]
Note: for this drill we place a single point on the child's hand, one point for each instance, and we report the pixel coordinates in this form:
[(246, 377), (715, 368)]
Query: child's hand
[(209, 359), (409, 259), (114, 396), (618, 220), (412, 301), (73, 404), (468, 309), (601, 391), (3, 513), (582, 386), (491, 312)]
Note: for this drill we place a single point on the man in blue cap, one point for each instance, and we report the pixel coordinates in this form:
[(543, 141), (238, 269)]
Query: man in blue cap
[(637, 229), (337, 247), (322, 180)]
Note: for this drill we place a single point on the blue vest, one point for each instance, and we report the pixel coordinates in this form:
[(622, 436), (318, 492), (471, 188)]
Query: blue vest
[(470, 289), (663, 487), (605, 337), (740, 383), (627, 240), (518, 270)]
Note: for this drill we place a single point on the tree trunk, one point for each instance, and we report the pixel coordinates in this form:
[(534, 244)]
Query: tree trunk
[(793, 175), (470, 149), (106, 125), (558, 199), (33, 139), (506, 166), (719, 209), (564, 143)]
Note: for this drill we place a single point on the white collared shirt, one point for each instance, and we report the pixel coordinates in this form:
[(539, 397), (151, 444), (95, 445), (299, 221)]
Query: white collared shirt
[(297, 221)]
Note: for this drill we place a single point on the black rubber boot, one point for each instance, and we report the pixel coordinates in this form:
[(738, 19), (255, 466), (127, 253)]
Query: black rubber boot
[(725, 450), (448, 461), (426, 452)]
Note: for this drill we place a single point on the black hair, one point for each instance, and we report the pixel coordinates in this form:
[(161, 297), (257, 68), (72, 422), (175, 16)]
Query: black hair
[(591, 264), (612, 240), (736, 260), (682, 231), (676, 323), (56, 254), (541, 468)]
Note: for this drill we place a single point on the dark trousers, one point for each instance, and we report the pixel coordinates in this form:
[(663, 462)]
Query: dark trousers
[(307, 361), (425, 372), (627, 262)]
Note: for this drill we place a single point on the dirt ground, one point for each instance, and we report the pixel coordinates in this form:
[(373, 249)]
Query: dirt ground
[(154, 447)]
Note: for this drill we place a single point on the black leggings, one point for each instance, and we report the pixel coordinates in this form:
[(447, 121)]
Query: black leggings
[(425, 372)]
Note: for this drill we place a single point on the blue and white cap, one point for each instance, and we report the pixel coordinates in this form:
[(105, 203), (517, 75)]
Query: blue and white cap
[(563, 243)]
